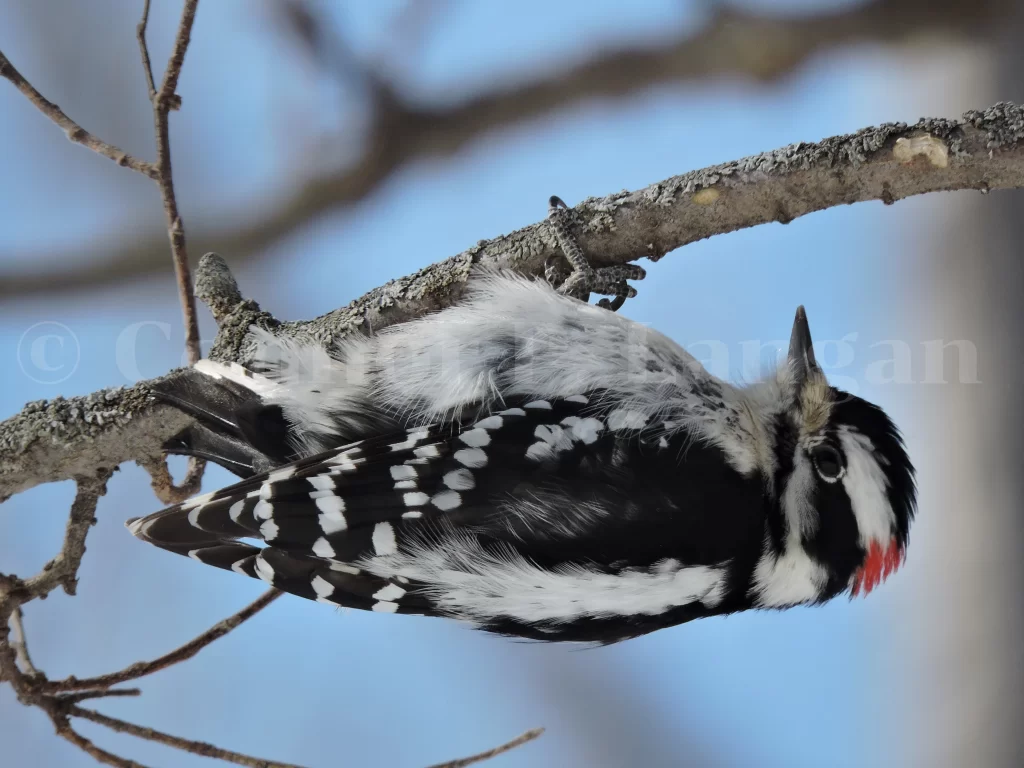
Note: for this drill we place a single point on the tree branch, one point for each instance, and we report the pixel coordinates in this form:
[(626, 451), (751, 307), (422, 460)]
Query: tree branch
[(734, 43), (54, 440)]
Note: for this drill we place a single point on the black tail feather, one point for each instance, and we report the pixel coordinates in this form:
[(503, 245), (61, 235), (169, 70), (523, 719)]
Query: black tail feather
[(235, 429)]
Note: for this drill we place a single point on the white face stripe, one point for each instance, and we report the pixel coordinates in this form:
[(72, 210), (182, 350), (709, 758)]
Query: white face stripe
[(792, 577), (788, 579), (866, 485)]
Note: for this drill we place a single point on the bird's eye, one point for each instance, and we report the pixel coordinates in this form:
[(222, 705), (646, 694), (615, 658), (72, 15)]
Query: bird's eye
[(827, 462)]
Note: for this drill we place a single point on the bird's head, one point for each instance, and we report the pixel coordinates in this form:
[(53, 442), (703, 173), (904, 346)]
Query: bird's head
[(843, 481)]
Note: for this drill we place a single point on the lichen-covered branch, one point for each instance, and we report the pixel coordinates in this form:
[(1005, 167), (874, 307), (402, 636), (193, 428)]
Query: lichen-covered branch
[(63, 438), (734, 43)]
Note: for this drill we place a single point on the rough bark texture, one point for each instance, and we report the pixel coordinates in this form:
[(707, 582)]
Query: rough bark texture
[(983, 151)]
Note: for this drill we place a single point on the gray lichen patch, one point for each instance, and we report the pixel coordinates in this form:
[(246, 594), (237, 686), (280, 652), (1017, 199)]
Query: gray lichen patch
[(1003, 124), (75, 418)]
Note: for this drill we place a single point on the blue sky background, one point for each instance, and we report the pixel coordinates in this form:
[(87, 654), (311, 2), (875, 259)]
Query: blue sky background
[(310, 685)]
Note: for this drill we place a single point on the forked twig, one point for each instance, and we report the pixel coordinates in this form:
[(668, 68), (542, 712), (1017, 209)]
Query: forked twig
[(178, 655)]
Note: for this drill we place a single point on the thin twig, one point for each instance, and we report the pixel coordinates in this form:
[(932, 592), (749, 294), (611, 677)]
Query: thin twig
[(72, 130), (186, 745), (20, 645), (178, 655), (162, 483), (165, 100), (78, 698), (518, 741), (147, 67), (63, 569), (65, 731)]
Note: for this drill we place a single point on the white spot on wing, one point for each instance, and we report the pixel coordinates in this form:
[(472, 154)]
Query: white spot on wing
[(412, 438), (405, 485), (512, 412), (263, 570), (415, 499), (332, 517), (345, 462), (491, 422), (543, 405), (390, 592), (475, 438), (460, 480), (193, 516), (587, 430), (557, 437), (385, 607), (577, 399), (540, 451), (427, 452), (474, 458), (384, 539), (322, 586), (322, 482), (263, 510), (322, 548), (237, 566), (403, 472), (412, 515), (269, 530), (235, 510), (446, 500)]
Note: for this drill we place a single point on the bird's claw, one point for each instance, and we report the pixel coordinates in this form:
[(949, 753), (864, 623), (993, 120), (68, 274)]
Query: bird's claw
[(585, 279)]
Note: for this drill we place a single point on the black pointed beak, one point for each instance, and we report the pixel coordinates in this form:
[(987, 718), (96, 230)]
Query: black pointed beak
[(801, 350)]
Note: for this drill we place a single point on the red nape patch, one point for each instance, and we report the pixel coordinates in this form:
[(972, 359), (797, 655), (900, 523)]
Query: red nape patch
[(878, 565)]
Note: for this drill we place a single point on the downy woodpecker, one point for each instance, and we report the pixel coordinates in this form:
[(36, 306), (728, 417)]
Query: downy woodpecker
[(538, 467)]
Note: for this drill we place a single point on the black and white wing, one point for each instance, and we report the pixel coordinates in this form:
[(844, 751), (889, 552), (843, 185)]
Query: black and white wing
[(558, 519)]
